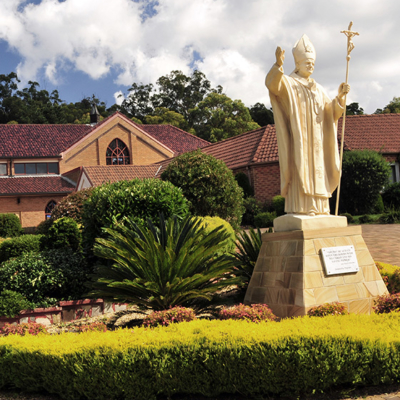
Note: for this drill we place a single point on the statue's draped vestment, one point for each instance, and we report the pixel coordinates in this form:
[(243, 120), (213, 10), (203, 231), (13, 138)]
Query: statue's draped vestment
[(305, 123)]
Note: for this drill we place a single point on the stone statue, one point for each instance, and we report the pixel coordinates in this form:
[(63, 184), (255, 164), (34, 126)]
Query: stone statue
[(306, 125)]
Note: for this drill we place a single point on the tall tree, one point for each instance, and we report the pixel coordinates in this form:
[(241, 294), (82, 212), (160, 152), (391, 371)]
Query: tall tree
[(354, 109), (261, 114), (392, 108)]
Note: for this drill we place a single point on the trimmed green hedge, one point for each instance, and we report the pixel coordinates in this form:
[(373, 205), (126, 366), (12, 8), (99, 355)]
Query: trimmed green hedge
[(291, 357)]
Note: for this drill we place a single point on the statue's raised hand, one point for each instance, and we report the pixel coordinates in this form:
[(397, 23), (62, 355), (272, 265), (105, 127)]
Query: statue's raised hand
[(280, 56)]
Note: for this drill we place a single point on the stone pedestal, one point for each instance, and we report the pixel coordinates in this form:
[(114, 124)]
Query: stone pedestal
[(290, 277)]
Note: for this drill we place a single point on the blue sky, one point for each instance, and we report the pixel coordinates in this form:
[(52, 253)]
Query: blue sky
[(100, 47)]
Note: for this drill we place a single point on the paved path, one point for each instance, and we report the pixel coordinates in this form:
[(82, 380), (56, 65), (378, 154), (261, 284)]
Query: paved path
[(383, 242)]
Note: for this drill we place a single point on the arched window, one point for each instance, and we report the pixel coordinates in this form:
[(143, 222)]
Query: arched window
[(49, 208), (117, 153)]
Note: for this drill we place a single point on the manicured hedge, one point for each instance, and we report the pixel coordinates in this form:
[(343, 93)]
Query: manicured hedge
[(291, 357)]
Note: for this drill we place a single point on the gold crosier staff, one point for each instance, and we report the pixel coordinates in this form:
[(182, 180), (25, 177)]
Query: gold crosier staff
[(350, 46)]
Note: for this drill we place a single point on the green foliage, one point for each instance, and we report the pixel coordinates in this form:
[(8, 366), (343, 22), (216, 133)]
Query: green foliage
[(248, 249), (218, 117), (391, 196), (137, 200), (243, 181), (253, 313), (44, 226), (390, 217), (45, 277), (10, 225), (208, 184), (379, 206), (278, 205), (261, 114), (163, 266), (209, 224), (14, 247), (72, 205), (365, 173), (292, 358), (354, 109), (162, 115), (350, 218), (252, 208), (390, 275), (365, 219), (392, 108), (63, 233), (328, 309), (166, 317), (387, 303), (264, 219), (12, 303)]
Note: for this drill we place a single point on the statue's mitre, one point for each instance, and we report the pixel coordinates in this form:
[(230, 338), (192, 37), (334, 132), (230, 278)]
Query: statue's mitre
[(303, 49)]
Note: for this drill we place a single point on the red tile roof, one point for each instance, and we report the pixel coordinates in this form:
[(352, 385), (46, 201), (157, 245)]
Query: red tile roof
[(379, 132), (251, 147), (112, 173), (39, 140), (19, 185)]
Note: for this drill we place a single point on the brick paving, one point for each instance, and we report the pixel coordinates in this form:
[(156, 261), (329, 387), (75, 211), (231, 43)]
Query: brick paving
[(383, 242)]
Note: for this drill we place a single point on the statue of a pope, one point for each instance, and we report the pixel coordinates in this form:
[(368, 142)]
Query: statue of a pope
[(305, 122)]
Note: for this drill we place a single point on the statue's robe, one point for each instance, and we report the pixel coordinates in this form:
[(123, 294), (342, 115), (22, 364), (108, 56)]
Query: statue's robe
[(306, 129)]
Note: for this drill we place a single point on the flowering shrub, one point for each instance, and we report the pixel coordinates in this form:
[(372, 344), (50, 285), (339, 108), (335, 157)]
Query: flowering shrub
[(328, 309), (166, 317), (387, 303), (390, 275), (31, 328), (253, 313), (93, 327)]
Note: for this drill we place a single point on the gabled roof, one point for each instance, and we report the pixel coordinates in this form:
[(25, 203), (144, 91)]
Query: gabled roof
[(30, 141), (379, 132), (22, 185), (251, 147), (100, 174)]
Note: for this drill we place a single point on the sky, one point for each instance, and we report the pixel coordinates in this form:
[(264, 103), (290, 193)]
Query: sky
[(101, 47)]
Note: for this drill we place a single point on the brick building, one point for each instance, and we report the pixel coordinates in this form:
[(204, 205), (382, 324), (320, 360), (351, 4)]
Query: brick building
[(40, 164)]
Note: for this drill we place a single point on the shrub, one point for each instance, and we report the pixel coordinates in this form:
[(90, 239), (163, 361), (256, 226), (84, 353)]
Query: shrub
[(391, 196), (11, 303), (167, 317), (93, 327), (252, 207), (63, 233), (210, 223), (387, 303), (10, 225), (136, 200), (45, 277), (328, 309), (364, 175), (30, 328), (72, 206), (350, 218), (172, 264), (243, 181), (208, 184), (365, 219), (278, 205), (264, 219), (391, 217), (248, 249), (17, 246), (253, 313), (390, 275), (379, 206), (44, 226)]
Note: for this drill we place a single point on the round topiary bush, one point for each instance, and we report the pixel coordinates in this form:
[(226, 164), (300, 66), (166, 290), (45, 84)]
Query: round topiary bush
[(137, 200), (328, 309), (63, 233), (253, 313), (12, 303), (264, 219), (17, 246), (10, 225), (278, 205), (208, 184), (166, 317), (72, 205)]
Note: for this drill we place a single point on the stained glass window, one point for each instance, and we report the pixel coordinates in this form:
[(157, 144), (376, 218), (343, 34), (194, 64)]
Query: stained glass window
[(117, 153), (49, 208)]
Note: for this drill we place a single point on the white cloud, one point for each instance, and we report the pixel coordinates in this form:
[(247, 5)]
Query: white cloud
[(236, 40)]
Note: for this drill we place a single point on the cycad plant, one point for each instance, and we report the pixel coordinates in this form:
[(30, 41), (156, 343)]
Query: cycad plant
[(248, 248), (158, 267)]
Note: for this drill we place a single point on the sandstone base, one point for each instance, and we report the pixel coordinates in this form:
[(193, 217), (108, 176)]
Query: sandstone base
[(290, 277)]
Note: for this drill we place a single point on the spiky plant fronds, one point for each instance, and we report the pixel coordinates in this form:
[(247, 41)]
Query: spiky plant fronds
[(162, 266)]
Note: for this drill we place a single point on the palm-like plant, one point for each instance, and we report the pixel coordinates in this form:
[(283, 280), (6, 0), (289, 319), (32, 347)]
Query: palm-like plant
[(248, 248), (163, 266)]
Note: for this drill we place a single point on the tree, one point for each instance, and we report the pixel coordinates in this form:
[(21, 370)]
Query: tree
[(261, 114), (392, 108), (364, 174), (218, 117), (354, 109), (208, 184), (162, 115)]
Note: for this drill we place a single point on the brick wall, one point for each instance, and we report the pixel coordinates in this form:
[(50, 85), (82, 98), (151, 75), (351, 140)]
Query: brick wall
[(30, 209), (267, 182)]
